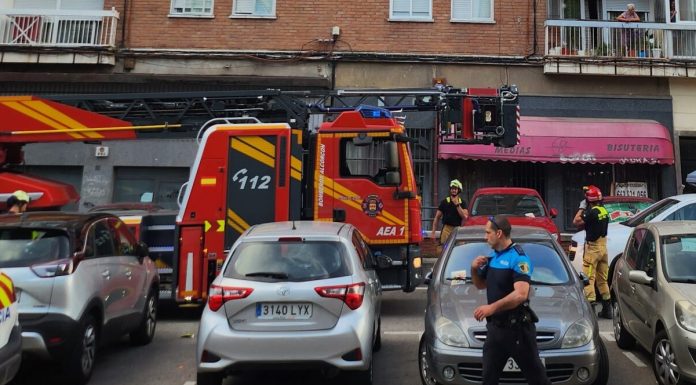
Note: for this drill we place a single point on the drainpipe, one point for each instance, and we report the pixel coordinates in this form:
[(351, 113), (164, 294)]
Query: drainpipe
[(124, 24)]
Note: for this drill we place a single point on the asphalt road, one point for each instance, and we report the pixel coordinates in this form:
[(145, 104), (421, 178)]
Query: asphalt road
[(169, 359)]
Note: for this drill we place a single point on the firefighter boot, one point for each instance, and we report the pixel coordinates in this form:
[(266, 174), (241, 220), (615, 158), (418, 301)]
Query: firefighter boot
[(606, 309)]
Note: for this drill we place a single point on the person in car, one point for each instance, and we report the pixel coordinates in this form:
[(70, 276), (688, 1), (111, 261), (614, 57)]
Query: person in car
[(17, 202), (452, 210), (595, 260), (506, 275)]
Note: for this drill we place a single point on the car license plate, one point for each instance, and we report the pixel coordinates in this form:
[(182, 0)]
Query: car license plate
[(511, 365), (283, 311)]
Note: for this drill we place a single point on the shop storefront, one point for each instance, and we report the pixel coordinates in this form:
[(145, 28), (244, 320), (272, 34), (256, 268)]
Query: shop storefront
[(557, 156)]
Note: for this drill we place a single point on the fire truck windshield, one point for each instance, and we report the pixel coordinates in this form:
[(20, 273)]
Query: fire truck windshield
[(377, 160)]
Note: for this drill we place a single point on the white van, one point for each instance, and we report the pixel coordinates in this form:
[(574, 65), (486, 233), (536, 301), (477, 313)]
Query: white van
[(10, 333)]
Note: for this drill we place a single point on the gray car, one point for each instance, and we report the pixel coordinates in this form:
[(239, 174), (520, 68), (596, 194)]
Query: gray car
[(81, 280), (292, 295), (654, 292), (451, 348)]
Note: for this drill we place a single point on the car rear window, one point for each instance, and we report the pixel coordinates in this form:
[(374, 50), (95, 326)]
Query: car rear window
[(509, 204), (21, 247), (288, 261), (679, 257), (548, 268)]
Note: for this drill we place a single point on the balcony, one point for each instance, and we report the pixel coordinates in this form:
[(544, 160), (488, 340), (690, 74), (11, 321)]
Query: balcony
[(617, 48), (71, 36)]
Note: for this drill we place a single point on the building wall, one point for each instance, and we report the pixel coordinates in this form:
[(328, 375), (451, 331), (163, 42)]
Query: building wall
[(365, 27)]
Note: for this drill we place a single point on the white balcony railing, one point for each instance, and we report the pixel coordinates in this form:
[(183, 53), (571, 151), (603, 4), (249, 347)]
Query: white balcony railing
[(58, 28), (612, 39)]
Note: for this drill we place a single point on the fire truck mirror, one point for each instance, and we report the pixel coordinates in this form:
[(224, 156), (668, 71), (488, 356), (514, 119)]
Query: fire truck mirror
[(392, 178), (392, 156), (362, 140), (339, 215)]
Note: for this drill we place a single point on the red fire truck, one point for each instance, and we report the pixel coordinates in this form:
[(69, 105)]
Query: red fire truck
[(356, 168)]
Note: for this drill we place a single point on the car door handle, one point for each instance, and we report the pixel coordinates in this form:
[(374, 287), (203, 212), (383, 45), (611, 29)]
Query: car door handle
[(619, 273), (129, 274), (633, 289), (106, 274)]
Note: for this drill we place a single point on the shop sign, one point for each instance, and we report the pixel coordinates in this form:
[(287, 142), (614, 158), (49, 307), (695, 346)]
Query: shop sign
[(631, 189)]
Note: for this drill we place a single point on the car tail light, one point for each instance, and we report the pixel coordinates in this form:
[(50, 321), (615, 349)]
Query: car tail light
[(352, 295), (55, 268), (218, 295)]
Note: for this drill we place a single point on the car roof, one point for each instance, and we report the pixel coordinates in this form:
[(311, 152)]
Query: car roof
[(70, 222), (671, 227), (683, 197), (304, 229), (526, 232), (505, 190)]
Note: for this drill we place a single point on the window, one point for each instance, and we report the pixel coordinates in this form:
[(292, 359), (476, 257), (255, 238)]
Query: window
[(472, 10), (646, 254), (411, 9), (377, 160), (686, 213), (363, 251), (125, 243), (632, 249), (260, 8), (192, 7), (100, 243), (159, 185)]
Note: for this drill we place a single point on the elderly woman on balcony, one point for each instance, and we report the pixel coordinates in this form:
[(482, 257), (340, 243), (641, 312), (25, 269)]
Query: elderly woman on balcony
[(629, 36)]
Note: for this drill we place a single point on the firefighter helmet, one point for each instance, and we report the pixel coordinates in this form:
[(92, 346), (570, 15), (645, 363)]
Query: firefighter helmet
[(21, 196), (593, 193), (456, 183)]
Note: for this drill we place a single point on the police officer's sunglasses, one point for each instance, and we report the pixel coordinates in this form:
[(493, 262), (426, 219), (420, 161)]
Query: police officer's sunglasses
[(495, 225)]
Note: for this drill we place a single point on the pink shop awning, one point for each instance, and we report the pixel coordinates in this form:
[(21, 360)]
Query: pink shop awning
[(577, 140)]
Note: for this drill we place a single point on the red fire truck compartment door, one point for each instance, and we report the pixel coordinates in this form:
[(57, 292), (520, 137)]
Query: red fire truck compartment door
[(191, 266)]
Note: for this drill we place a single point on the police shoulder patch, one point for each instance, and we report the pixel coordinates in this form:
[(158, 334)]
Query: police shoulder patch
[(524, 267)]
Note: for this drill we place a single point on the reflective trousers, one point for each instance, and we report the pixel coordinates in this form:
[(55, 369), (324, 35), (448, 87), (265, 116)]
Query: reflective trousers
[(595, 264), (516, 341)]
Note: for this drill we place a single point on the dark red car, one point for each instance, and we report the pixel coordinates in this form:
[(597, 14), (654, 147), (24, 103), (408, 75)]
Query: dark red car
[(523, 206)]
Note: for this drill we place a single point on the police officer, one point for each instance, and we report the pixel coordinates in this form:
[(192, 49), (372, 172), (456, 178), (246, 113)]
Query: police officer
[(17, 202), (506, 276), (452, 210), (595, 259)]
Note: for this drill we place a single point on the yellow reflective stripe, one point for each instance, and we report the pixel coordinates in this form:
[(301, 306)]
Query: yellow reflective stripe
[(30, 113), (260, 144), (296, 164), (237, 220), (603, 213), (60, 117), (234, 226), (295, 175), (253, 153)]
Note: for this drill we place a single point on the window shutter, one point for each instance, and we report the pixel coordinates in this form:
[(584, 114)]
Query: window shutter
[(421, 8), (87, 5), (401, 7), (244, 7), (35, 4), (483, 9), (461, 9)]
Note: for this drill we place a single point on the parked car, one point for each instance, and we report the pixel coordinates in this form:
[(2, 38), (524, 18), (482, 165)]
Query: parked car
[(81, 280), (293, 294), (10, 331), (654, 292), (676, 208), (621, 208), (523, 206), (451, 348)]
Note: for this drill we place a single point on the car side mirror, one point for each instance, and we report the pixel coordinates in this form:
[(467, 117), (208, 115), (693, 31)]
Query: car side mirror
[(383, 261), (640, 277), (141, 250), (428, 277), (584, 278), (553, 213)]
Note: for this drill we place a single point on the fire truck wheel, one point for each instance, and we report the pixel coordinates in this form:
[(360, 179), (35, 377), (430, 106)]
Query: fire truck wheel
[(205, 378), (145, 331)]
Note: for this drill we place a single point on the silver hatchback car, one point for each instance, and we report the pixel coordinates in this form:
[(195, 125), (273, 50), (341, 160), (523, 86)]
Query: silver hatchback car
[(654, 292), (292, 294), (451, 348)]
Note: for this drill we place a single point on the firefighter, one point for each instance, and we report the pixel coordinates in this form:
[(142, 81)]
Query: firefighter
[(506, 276), (452, 210), (595, 261), (17, 202)]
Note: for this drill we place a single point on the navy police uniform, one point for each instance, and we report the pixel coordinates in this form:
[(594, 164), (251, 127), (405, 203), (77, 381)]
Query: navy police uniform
[(511, 333)]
